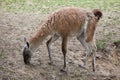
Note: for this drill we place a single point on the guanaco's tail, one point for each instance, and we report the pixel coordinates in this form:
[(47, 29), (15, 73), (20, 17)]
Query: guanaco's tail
[(97, 13)]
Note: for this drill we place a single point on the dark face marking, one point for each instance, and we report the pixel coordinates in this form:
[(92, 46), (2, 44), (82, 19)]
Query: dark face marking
[(26, 54)]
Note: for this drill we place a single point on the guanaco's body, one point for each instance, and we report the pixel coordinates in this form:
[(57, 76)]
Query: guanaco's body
[(64, 23)]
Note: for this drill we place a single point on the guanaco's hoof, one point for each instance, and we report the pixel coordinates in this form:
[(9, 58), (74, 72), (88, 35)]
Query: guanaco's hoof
[(83, 66), (50, 63), (93, 70), (63, 70), (27, 63)]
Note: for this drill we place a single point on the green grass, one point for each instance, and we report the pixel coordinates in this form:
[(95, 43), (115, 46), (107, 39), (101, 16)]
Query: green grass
[(1, 53), (46, 6), (100, 44), (117, 44), (117, 41)]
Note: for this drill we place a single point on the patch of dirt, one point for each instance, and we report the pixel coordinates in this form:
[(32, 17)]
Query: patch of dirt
[(14, 27)]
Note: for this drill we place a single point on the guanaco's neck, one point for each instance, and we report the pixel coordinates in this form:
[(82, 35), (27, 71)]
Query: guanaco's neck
[(38, 37)]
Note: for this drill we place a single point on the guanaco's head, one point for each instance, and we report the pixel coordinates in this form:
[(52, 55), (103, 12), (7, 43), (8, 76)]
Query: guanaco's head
[(26, 52)]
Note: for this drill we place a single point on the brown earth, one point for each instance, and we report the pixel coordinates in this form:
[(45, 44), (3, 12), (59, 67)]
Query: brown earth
[(15, 26)]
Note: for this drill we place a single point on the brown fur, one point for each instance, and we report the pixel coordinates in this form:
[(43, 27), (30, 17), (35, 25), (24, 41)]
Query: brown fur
[(90, 30), (92, 25), (66, 22), (38, 37)]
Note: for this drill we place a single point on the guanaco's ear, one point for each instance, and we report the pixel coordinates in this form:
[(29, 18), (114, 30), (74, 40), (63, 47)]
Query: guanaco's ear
[(98, 14), (26, 42)]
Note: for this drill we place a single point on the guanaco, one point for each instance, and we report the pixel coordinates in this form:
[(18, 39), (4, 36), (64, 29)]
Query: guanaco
[(64, 23)]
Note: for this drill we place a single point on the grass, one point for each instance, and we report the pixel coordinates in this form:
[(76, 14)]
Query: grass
[(109, 35), (1, 53), (100, 44), (116, 43), (46, 6)]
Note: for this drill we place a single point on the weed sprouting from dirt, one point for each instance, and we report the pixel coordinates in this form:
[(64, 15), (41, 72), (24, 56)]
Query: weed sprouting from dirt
[(100, 44), (117, 43), (1, 53)]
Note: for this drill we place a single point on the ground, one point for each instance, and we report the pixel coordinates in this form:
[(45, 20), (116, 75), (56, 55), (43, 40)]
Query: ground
[(15, 26)]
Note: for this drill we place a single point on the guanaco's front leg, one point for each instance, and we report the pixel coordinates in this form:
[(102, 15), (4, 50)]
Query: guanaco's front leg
[(51, 40), (94, 49)]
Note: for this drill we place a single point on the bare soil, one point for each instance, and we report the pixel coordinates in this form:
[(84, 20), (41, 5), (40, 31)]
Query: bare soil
[(15, 26)]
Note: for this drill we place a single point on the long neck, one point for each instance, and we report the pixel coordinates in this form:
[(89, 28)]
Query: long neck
[(38, 37)]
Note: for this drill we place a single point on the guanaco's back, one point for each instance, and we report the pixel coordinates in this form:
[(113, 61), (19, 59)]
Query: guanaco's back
[(67, 21)]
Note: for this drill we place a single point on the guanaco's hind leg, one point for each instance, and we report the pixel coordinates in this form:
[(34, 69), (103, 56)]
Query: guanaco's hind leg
[(87, 48), (48, 43), (90, 47), (94, 49), (94, 60)]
